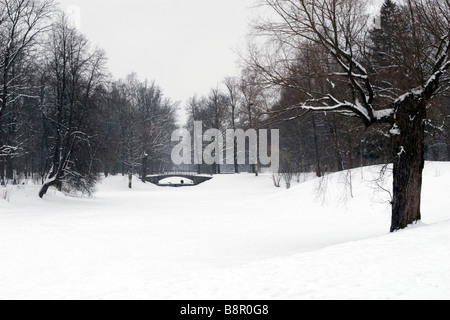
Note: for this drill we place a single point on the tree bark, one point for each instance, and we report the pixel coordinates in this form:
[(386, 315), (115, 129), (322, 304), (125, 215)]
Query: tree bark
[(235, 148), (255, 170), (9, 168), (130, 180), (236, 165), (448, 149), (338, 156), (2, 110), (2, 171), (46, 186), (2, 163), (256, 166), (144, 168), (409, 153), (316, 147)]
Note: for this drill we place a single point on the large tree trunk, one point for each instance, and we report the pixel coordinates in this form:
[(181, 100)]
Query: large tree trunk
[(46, 186), (2, 159), (53, 180), (55, 173), (448, 150), (408, 141)]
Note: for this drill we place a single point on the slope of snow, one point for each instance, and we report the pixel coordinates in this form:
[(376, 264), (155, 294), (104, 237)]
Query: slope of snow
[(412, 264), (234, 237)]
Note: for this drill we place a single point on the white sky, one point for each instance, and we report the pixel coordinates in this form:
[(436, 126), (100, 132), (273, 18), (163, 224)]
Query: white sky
[(186, 46)]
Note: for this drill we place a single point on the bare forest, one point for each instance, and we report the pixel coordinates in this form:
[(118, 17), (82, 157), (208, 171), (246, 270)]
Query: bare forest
[(346, 87), (63, 120)]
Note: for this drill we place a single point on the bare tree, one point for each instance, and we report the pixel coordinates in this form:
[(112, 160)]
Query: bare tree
[(276, 178), (213, 111), (75, 71), (217, 104), (232, 85), (61, 122), (197, 110), (156, 123), (254, 103), (143, 120), (361, 88), (21, 24)]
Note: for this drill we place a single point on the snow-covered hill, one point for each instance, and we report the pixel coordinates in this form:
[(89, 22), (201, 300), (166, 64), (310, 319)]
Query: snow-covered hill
[(234, 237)]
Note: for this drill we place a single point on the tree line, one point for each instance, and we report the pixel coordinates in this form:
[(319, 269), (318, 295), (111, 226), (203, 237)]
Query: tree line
[(236, 103), (63, 119), (346, 88), (268, 92), (344, 92)]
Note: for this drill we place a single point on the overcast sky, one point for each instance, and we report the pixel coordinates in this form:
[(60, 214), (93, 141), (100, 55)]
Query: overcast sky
[(186, 46)]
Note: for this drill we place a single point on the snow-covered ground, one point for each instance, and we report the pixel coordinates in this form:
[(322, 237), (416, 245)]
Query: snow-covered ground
[(234, 237)]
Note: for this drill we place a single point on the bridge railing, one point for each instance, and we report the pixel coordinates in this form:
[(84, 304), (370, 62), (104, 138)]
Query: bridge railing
[(181, 173)]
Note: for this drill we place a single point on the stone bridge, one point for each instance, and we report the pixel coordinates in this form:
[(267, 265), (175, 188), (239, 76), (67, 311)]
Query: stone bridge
[(194, 177)]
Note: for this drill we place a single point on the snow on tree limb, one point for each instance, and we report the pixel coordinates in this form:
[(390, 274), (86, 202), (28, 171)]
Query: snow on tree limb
[(357, 109), (340, 29)]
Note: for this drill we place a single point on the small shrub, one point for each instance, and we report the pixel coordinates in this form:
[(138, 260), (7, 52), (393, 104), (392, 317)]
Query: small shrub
[(277, 179), (287, 177), (5, 194)]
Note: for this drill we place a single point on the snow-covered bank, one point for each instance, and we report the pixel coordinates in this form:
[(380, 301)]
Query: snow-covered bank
[(412, 264), (232, 237)]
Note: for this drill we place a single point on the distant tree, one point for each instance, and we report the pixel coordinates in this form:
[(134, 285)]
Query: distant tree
[(74, 72), (143, 121), (157, 122), (218, 107), (214, 113), (62, 121), (232, 86), (254, 103), (197, 111)]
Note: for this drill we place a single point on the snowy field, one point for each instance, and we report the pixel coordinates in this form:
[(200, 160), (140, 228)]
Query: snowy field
[(234, 237)]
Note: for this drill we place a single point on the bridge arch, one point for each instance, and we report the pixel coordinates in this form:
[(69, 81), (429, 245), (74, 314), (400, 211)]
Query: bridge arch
[(194, 177)]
